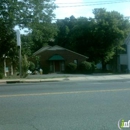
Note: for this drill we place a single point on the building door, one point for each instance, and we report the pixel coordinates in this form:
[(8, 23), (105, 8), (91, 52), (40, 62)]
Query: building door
[(57, 66)]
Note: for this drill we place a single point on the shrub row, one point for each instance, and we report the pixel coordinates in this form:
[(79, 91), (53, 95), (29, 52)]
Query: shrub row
[(1, 74), (85, 67)]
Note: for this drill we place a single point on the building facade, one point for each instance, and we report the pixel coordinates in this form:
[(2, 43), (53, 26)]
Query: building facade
[(125, 58), (55, 58)]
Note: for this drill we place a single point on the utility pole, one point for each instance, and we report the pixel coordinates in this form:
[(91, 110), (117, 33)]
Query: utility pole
[(20, 58)]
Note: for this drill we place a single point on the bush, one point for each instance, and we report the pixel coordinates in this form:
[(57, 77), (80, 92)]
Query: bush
[(86, 67), (31, 66), (93, 66), (1, 76), (45, 70), (25, 65), (71, 68)]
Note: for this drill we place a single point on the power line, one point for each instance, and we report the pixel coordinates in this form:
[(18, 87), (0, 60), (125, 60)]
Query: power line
[(128, 17), (92, 4)]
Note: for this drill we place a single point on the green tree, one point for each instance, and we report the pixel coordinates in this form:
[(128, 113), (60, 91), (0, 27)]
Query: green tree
[(111, 28), (31, 66), (6, 38), (25, 65), (100, 37), (42, 33), (36, 15), (65, 27), (82, 35), (27, 44), (39, 22), (8, 16)]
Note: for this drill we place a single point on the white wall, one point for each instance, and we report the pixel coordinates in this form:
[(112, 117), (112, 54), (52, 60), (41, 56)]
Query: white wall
[(128, 53), (123, 59)]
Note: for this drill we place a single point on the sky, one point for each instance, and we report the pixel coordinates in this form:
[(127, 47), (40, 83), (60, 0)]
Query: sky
[(122, 6)]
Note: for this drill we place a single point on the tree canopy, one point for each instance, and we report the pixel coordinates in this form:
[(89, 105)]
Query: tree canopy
[(36, 15), (98, 38)]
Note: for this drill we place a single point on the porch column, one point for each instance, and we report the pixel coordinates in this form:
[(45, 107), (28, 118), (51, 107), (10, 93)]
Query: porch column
[(128, 56)]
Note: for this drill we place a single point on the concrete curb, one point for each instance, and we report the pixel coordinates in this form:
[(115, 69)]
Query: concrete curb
[(87, 78), (31, 80)]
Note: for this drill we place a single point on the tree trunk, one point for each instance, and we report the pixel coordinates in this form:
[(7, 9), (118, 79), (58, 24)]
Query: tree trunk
[(12, 69)]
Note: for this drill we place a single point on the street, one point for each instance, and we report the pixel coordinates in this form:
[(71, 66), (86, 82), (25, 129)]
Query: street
[(68, 105)]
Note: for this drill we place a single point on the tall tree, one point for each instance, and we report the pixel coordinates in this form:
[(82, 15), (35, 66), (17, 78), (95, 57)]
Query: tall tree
[(82, 35), (39, 21), (65, 27), (36, 15), (98, 38), (110, 31)]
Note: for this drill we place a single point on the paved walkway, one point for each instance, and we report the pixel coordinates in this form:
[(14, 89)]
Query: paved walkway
[(71, 77)]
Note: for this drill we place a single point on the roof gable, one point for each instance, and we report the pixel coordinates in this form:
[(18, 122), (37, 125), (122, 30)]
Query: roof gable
[(54, 48), (42, 49)]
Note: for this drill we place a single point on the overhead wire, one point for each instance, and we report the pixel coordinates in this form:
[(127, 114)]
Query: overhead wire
[(79, 4), (92, 2)]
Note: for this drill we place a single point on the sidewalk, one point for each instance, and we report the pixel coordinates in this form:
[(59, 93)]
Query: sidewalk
[(68, 77)]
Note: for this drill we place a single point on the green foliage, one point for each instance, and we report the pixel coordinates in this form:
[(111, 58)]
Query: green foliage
[(93, 67), (45, 70), (6, 39), (31, 66), (1, 73), (41, 34), (26, 44), (71, 67), (25, 65), (99, 38), (65, 27), (35, 61), (7, 23), (40, 23), (86, 67), (36, 15), (1, 76)]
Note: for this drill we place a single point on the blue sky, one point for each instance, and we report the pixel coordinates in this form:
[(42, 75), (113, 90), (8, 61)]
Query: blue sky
[(86, 11), (122, 7)]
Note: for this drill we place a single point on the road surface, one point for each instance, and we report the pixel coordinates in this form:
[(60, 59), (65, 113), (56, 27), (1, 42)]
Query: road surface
[(64, 105)]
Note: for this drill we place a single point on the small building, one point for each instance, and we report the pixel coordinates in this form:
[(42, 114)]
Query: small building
[(55, 58)]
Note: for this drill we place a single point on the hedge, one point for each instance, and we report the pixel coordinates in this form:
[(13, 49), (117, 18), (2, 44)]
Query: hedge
[(71, 67)]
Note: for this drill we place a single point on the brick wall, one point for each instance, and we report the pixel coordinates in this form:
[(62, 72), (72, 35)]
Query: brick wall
[(67, 55)]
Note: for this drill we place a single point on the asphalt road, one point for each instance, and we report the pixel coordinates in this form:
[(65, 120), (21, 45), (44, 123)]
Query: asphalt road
[(64, 105)]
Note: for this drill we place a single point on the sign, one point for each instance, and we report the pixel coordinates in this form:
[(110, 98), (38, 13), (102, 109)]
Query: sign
[(123, 124)]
